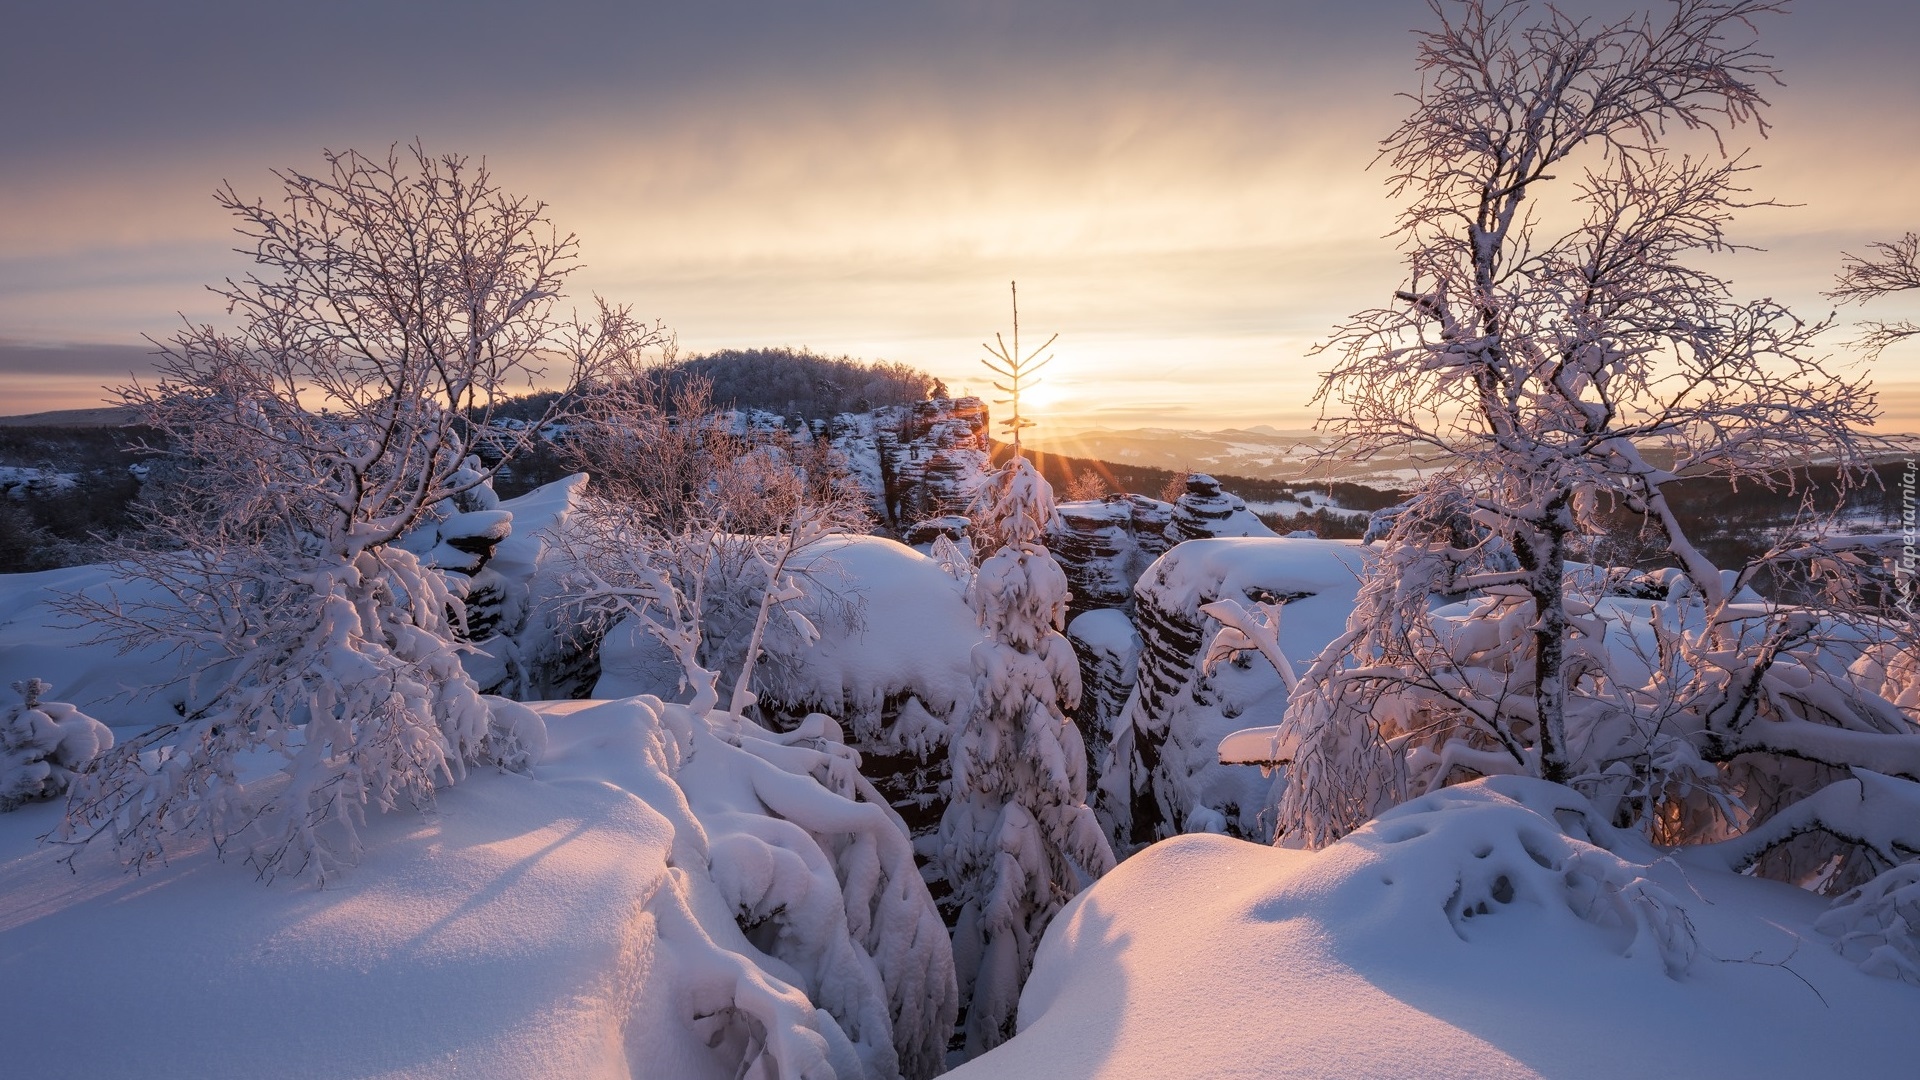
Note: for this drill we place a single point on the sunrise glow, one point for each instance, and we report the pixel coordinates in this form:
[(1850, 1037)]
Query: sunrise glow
[(1185, 197)]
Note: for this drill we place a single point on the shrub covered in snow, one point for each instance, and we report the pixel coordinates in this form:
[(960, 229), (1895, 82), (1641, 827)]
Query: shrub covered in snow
[(43, 744), (1877, 924), (818, 875), (337, 418)]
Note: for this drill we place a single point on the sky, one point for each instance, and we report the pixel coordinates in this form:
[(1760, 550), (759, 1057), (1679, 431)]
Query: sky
[(1181, 190)]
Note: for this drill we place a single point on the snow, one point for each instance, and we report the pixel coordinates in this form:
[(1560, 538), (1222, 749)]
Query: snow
[(21, 481), (506, 934), (1193, 710), (1288, 508), (893, 626), (1107, 631), (43, 744), (672, 897), (37, 641), (1233, 959), (563, 925)]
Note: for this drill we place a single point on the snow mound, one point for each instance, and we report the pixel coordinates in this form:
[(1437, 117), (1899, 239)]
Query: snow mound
[(893, 656), (667, 897), (1361, 960)]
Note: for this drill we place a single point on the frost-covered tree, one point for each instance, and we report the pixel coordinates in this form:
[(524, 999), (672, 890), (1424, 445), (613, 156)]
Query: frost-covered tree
[(1018, 839), (394, 302), (682, 490), (1893, 267), (1558, 350)]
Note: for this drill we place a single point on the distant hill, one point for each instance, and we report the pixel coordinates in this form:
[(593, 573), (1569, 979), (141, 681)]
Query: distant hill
[(802, 384), (105, 416), (798, 384)]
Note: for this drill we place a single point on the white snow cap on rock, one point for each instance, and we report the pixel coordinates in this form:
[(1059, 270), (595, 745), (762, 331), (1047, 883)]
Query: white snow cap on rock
[(1496, 929)]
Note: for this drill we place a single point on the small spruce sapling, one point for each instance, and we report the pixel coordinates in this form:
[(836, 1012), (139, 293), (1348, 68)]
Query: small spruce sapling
[(1018, 839)]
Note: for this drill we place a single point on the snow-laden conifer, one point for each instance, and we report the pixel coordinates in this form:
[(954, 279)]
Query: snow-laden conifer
[(1018, 839)]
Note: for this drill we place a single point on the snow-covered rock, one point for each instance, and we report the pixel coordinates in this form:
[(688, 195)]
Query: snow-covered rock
[(1490, 931), (525, 647), (1105, 545), (892, 660), (1177, 714), (1205, 510), (1109, 650), (916, 461), (662, 898)]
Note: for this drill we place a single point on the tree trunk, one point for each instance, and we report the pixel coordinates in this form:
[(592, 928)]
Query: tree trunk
[(1545, 555)]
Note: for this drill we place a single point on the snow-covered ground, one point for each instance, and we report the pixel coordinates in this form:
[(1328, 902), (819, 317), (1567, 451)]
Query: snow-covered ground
[(38, 641), (1393, 954), (577, 923), (20, 481), (507, 933), (562, 925), (670, 899)]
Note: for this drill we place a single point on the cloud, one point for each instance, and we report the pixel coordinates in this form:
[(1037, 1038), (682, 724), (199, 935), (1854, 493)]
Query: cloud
[(1182, 190), (74, 362)]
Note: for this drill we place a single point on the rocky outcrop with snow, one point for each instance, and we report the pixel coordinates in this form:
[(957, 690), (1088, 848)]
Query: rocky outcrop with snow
[(892, 660), (917, 461), (1104, 546), (1163, 776), (1206, 510), (1109, 650)]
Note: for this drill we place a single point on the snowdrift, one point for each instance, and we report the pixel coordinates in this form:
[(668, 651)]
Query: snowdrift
[(583, 923), (892, 659), (1491, 930)]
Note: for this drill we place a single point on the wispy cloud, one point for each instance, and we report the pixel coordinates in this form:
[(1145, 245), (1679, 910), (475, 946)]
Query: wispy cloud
[(1182, 190)]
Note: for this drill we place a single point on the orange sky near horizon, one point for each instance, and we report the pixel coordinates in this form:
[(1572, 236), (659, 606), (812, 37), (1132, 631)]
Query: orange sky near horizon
[(1183, 196)]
